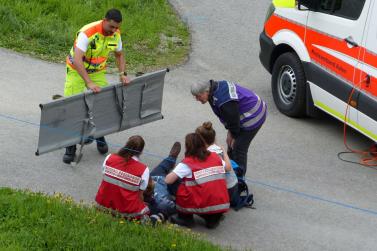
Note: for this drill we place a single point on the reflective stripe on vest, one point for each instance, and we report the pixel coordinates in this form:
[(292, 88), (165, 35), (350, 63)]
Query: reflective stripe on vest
[(204, 180), (203, 210), (96, 60), (252, 110), (135, 180), (255, 120), (121, 184), (99, 47), (213, 170)]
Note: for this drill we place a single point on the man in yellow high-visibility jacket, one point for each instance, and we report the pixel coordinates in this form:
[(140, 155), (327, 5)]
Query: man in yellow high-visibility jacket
[(86, 63), (284, 3)]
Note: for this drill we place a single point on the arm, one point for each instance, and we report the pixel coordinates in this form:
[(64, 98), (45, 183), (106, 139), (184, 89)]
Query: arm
[(228, 166), (231, 116), (171, 178), (141, 195), (144, 183), (179, 172), (80, 68), (149, 191), (121, 63)]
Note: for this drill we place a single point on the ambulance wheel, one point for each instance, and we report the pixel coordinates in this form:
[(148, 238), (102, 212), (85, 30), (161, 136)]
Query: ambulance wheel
[(288, 85)]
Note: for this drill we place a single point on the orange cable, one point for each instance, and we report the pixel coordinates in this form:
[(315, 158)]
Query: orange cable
[(365, 161)]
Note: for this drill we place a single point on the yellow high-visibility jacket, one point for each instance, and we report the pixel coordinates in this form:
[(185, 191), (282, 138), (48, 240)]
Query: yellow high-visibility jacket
[(98, 49)]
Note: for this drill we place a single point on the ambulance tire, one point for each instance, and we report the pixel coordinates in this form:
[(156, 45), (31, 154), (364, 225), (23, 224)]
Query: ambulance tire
[(288, 84)]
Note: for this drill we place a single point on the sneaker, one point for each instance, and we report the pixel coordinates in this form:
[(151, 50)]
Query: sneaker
[(70, 154), (183, 220), (102, 145), (175, 150), (157, 218)]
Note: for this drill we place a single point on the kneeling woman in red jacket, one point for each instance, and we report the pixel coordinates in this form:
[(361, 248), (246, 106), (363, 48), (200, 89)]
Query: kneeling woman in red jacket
[(202, 190), (124, 180)]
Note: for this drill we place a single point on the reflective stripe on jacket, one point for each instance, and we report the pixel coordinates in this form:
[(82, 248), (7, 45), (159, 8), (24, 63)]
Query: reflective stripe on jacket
[(252, 109), (99, 47), (120, 187), (205, 192)]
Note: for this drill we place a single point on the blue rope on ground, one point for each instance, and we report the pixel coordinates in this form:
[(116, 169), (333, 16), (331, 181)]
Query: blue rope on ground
[(65, 132), (313, 197), (274, 187)]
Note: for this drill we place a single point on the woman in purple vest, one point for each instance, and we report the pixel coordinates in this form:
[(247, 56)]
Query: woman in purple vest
[(241, 111)]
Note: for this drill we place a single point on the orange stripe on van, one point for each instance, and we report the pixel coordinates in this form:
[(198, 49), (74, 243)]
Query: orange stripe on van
[(331, 63), (276, 23), (370, 58)]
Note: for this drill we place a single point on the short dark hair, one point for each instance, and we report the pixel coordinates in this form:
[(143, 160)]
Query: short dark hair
[(114, 14)]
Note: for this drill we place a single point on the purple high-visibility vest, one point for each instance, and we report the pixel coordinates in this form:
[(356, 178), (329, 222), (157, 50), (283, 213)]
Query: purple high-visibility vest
[(252, 109)]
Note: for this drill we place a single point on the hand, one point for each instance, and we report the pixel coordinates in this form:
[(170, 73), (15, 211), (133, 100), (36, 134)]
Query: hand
[(229, 140), (222, 149), (92, 86), (124, 80)]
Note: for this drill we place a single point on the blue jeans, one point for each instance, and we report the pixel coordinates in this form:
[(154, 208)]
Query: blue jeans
[(163, 200)]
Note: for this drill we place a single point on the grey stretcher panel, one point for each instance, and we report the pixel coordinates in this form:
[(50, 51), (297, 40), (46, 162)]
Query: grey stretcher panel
[(63, 121)]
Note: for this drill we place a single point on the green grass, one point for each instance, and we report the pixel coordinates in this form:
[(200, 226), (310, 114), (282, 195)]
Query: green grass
[(152, 34), (34, 221)]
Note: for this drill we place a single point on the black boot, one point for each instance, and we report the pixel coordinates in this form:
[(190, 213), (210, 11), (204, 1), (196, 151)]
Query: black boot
[(70, 153), (102, 145)]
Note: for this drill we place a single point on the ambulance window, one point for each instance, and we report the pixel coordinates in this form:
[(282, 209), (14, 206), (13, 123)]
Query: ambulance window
[(350, 9)]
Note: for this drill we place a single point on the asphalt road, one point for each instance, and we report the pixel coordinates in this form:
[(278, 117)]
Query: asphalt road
[(306, 198)]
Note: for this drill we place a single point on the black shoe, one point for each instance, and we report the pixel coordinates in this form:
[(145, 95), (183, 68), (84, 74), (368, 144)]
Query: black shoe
[(70, 153), (175, 150), (102, 145), (183, 220)]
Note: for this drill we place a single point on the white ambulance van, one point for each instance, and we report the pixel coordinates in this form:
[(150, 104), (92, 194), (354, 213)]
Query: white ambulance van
[(321, 52)]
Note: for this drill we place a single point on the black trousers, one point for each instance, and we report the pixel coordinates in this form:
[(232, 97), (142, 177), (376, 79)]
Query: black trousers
[(240, 148)]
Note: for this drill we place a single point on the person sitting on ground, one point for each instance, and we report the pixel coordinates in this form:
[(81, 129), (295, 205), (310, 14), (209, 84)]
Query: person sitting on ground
[(202, 190), (208, 134), (158, 195), (124, 180)]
